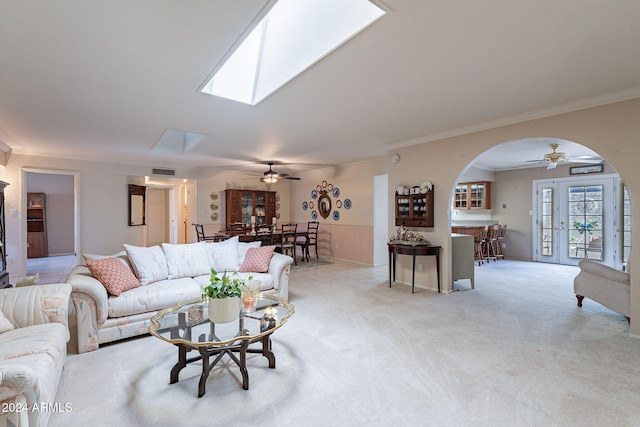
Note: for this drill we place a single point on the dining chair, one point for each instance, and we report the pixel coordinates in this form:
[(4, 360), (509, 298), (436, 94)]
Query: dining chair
[(311, 239), (264, 234), (201, 236), (288, 240), (238, 229)]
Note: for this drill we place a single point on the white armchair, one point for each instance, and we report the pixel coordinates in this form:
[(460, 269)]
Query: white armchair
[(604, 285)]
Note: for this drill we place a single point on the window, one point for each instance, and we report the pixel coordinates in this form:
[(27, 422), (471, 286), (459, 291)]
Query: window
[(547, 222), (292, 36), (627, 227)]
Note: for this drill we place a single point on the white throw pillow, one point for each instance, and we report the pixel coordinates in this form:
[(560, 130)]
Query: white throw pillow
[(243, 247), (5, 325), (223, 256), (149, 264), (187, 260)]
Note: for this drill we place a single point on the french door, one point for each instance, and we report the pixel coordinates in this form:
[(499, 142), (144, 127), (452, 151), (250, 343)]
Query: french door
[(577, 218)]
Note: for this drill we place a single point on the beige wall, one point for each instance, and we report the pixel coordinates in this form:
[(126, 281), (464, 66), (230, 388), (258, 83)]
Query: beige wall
[(612, 130), (351, 236)]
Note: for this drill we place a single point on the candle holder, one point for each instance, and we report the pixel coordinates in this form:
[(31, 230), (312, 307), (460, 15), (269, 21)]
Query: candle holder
[(250, 296)]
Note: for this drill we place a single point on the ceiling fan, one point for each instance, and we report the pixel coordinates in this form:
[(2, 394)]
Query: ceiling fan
[(552, 159), (272, 176)]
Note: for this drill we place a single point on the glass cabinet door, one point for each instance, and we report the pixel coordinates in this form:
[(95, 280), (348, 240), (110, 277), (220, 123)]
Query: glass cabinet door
[(247, 207)]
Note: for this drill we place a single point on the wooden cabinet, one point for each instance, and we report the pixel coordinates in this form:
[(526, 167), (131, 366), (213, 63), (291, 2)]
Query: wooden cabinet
[(414, 210), (36, 226), (4, 276), (472, 195), (248, 206)]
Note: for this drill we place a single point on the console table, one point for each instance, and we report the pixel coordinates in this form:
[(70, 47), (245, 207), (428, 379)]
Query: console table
[(417, 250)]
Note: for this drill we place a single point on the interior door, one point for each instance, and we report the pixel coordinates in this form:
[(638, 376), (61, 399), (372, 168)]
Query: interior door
[(578, 218)]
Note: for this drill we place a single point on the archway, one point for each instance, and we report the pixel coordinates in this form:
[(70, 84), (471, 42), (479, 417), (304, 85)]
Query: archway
[(510, 176)]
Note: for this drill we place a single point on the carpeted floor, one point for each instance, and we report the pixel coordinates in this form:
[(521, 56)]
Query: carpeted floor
[(516, 351)]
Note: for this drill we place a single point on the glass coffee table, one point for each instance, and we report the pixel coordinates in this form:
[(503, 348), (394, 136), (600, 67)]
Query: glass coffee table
[(187, 326)]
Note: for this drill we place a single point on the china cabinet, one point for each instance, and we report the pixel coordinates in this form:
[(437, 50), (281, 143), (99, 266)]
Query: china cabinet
[(4, 276), (414, 210), (472, 195), (250, 206), (36, 226)]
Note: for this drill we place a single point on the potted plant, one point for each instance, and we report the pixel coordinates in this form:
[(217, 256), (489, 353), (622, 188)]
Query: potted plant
[(223, 294)]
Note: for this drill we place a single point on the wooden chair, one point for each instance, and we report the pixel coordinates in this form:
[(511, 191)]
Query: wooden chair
[(201, 236), (239, 229), (288, 241), (310, 240), (479, 236), (264, 234)]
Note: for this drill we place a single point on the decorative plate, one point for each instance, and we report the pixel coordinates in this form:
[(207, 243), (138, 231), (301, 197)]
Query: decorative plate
[(277, 206), (330, 187), (318, 187), (214, 216), (214, 207), (314, 194), (214, 196), (311, 205), (425, 187), (336, 215), (278, 215), (277, 197), (336, 192), (324, 184), (305, 205), (338, 204), (347, 203), (314, 215)]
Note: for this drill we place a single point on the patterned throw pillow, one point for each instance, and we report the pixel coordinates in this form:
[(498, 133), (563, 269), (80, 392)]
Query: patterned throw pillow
[(113, 275), (257, 260)]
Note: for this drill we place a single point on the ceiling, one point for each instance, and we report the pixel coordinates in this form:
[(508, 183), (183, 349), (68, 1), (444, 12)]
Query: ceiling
[(106, 79)]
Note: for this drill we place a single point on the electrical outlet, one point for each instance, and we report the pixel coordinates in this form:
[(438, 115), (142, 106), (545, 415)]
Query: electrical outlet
[(504, 245), (419, 267)]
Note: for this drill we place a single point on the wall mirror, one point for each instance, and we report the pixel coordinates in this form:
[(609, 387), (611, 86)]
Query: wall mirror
[(324, 204), (137, 195)]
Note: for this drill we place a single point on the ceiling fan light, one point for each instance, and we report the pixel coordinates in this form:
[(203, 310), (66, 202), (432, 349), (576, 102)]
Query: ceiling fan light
[(270, 179)]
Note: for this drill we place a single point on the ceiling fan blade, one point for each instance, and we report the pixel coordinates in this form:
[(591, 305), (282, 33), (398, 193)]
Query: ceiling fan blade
[(585, 159), (295, 178)]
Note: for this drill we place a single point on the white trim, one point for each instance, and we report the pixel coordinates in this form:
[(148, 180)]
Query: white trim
[(596, 101)]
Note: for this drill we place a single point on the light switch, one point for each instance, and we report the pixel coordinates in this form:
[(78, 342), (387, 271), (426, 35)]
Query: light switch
[(14, 212)]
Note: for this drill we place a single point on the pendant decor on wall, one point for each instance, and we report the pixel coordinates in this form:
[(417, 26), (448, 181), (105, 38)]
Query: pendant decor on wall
[(214, 206), (325, 197)]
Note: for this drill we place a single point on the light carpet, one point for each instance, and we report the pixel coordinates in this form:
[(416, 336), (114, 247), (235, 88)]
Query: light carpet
[(514, 351)]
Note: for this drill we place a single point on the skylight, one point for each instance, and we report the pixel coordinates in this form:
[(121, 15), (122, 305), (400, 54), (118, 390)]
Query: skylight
[(292, 36)]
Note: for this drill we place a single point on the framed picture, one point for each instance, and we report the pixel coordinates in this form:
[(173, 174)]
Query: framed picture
[(577, 170)]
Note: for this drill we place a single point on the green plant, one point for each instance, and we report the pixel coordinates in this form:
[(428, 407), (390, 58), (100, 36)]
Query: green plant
[(222, 287)]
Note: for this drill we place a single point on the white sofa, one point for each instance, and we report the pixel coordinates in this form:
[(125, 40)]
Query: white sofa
[(32, 352), (604, 285), (102, 317)]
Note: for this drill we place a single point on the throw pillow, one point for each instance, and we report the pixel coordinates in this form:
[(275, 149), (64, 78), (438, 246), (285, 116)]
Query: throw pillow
[(5, 325), (121, 256), (243, 247), (257, 259), (149, 264), (223, 256), (187, 260), (113, 275)]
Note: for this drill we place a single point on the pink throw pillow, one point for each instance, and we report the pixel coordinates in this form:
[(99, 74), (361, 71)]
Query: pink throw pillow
[(257, 260), (113, 274)]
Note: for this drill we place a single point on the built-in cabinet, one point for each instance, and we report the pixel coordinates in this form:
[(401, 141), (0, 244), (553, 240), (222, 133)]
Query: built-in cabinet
[(414, 210), (4, 276), (472, 195), (37, 246), (250, 206)]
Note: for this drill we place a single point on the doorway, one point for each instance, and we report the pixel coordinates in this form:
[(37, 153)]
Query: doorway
[(578, 218)]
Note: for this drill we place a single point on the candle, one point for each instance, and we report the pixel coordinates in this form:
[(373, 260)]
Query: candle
[(248, 302)]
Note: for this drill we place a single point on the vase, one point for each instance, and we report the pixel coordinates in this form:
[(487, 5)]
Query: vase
[(224, 310)]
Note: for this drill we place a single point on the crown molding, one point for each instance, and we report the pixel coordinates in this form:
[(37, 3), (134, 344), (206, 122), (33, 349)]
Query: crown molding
[(597, 101)]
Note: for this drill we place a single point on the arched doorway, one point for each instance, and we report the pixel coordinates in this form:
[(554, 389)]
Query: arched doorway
[(553, 214)]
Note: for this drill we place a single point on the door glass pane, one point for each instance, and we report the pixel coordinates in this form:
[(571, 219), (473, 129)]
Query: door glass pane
[(627, 227), (585, 222), (547, 222)]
